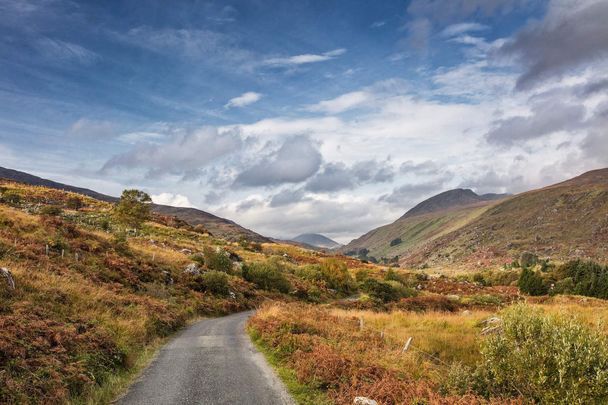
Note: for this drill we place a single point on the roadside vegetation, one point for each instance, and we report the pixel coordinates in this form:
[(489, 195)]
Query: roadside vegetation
[(97, 285)]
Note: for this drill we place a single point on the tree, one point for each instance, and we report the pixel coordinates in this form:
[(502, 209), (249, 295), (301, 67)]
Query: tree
[(133, 209), (531, 283)]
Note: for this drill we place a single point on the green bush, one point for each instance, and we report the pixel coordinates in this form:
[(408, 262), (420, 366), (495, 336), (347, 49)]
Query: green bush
[(386, 291), (396, 242), (267, 275), (11, 197), (50, 210), (336, 275), (565, 286), (589, 278), (215, 282), (547, 359), (531, 283), (217, 259)]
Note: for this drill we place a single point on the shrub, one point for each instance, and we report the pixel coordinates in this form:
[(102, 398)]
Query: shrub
[(74, 203), (11, 197), (589, 278), (217, 259), (565, 286), (396, 241), (361, 275), (336, 275), (392, 275), (121, 245), (215, 282), (386, 291), (267, 275), (50, 210), (531, 283), (548, 359)]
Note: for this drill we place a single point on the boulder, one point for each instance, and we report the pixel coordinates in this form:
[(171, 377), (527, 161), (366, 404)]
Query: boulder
[(6, 273), (364, 401), (192, 269)]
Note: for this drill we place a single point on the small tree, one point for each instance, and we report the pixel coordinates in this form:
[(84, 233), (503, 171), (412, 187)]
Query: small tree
[(531, 283), (133, 209)]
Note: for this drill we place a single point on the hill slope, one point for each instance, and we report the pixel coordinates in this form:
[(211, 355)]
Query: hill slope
[(426, 221), (561, 221), (218, 226), (316, 240)]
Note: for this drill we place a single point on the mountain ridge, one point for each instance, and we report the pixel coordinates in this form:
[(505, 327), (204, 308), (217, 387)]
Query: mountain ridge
[(562, 220), (218, 226)]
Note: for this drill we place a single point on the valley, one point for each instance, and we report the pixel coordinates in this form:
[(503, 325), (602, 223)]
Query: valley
[(92, 299)]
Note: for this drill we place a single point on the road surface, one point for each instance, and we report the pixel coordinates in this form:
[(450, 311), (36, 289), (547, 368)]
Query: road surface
[(211, 362)]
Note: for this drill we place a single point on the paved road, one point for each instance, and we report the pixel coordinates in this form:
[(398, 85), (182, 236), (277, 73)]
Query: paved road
[(212, 362)]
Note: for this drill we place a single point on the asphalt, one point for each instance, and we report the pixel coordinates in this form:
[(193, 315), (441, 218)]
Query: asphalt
[(211, 362)]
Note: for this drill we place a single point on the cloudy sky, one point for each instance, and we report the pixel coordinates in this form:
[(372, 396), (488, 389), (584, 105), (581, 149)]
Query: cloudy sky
[(304, 116)]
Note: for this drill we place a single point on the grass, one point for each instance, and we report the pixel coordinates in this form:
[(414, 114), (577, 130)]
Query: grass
[(348, 353), (117, 384), (302, 394)]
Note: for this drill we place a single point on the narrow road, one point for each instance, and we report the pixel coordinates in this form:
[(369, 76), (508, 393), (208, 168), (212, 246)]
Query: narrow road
[(212, 362)]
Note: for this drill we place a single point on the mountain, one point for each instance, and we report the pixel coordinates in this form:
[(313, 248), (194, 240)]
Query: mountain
[(450, 199), (220, 227), (428, 220), (564, 220), (316, 240)]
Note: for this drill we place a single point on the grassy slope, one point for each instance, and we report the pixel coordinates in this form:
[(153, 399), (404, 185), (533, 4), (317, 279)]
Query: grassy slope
[(415, 231), (563, 221), (79, 323)]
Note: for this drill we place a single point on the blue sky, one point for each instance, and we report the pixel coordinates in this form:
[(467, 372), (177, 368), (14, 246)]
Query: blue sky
[(309, 116)]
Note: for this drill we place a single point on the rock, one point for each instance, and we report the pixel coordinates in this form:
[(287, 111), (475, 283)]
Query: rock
[(453, 297), (168, 278), (527, 259), (193, 269), (364, 401), (186, 251), (232, 295), (466, 312), (9, 277)]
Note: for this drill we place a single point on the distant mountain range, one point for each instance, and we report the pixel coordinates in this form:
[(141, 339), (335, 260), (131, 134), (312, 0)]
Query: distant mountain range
[(562, 221), (316, 240), (218, 226)]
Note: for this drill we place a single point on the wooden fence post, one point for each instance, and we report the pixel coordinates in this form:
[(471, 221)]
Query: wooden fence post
[(407, 345)]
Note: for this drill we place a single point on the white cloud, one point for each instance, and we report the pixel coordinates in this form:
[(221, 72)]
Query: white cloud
[(244, 99), (461, 28), (341, 103), (305, 58), (173, 200)]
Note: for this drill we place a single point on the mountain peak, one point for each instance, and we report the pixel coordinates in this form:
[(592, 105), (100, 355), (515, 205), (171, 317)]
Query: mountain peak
[(448, 199), (317, 240)]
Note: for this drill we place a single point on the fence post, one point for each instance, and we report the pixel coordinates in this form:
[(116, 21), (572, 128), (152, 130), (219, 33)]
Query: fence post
[(407, 345)]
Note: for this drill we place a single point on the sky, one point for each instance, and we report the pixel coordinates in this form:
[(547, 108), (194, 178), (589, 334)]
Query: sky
[(291, 117)]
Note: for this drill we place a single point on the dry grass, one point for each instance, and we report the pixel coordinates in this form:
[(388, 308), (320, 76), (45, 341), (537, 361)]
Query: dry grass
[(329, 350)]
